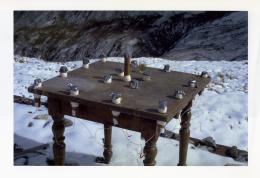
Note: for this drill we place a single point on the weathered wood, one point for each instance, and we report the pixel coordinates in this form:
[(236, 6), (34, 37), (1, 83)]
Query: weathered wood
[(107, 153), (104, 115), (138, 110), (19, 154), (127, 66), (184, 134), (58, 129), (107, 143), (28, 101), (144, 101), (150, 152), (221, 150), (150, 133)]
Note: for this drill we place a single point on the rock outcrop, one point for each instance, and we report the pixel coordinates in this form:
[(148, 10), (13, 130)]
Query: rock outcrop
[(177, 35)]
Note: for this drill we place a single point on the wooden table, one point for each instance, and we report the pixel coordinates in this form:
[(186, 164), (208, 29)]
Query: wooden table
[(138, 110)]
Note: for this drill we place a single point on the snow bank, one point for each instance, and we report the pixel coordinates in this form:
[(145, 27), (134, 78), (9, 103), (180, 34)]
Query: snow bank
[(220, 112)]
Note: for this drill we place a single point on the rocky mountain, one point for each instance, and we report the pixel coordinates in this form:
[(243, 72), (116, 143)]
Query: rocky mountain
[(176, 35)]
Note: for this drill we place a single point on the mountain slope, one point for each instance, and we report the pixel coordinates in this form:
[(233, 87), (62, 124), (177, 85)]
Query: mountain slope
[(176, 35)]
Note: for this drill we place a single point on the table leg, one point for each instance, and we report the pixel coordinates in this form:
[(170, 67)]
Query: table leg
[(107, 154), (184, 134), (58, 129), (107, 143), (150, 150)]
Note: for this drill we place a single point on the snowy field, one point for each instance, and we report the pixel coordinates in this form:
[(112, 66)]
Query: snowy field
[(220, 112)]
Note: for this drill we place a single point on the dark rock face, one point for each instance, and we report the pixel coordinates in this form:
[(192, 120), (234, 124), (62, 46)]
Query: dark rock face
[(177, 35)]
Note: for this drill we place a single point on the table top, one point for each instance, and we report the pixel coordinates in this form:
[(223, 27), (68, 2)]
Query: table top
[(142, 102)]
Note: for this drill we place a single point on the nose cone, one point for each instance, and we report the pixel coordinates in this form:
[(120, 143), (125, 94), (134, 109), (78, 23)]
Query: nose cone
[(179, 94), (116, 98), (204, 74), (115, 95), (192, 83), (74, 88), (134, 84), (166, 68), (86, 61), (162, 106), (107, 78), (63, 69), (37, 81)]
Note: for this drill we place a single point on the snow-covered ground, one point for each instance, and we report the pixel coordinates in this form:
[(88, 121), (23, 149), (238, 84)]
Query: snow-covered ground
[(220, 112)]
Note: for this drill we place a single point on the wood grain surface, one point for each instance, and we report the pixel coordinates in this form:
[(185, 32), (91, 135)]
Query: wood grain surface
[(142, 102)]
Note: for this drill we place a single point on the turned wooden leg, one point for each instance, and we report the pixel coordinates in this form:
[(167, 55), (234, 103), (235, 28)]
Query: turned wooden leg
[(184, 134), (150, 150), (58, 129), (107, 145)]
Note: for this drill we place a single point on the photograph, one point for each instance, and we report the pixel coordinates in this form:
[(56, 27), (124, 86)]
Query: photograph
[(130, 88)]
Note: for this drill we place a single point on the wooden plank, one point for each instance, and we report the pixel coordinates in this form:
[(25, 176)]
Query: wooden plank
[(28, 101), (19, 154), (223, 150)]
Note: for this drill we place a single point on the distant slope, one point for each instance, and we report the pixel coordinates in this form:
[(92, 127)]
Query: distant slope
[(178, 35)]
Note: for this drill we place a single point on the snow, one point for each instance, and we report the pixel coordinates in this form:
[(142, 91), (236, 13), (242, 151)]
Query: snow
[(220, 112)]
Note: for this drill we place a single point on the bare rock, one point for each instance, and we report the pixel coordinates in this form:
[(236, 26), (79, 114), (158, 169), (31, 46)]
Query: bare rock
[(177, 35), (41, 117), (30, 124), (67, 122)]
